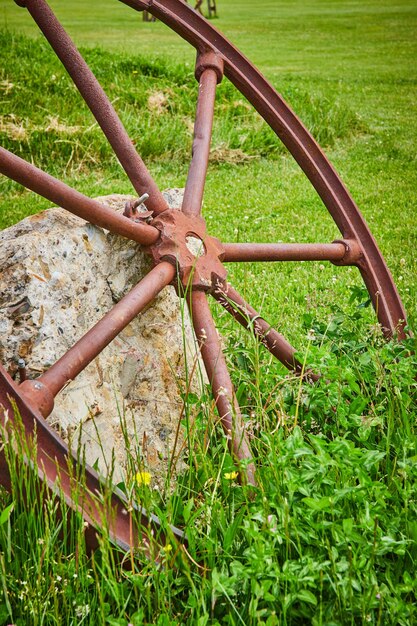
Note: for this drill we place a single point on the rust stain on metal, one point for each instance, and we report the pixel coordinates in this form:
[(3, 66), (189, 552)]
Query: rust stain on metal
[(185, 244)]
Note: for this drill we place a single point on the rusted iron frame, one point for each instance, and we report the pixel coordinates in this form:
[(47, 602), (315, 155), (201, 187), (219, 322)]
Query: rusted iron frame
[(205, 37), (209, 72), (42, 391), (97, 101), (57, 466), (64, 196), (248, 252), (221, 384), (274, 110)]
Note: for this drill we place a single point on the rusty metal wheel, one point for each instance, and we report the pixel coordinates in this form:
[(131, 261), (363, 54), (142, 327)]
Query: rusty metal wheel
[(183, 253)]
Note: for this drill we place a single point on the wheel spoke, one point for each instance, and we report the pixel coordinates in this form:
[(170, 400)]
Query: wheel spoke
[(64, 196), (284, 251), (221, 384), (194, 187), (42, 391), (98, 103), (246, 315)]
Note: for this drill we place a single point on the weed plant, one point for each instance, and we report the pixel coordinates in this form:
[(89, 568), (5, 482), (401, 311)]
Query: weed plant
[(327, 537)]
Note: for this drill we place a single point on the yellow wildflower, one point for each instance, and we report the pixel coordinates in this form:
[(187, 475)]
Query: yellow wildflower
[(231, 475), (168, 548), (143, 478)]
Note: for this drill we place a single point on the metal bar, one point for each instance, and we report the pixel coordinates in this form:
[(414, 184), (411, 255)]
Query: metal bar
[(102, 333), (246, 315), (61, 194), (179, 16), (96, 339), (220, 381), (97, 101), (58, 468), (283, 252), (194, 187)]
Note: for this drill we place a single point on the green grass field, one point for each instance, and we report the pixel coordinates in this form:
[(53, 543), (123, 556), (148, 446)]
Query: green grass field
[(330, 537)]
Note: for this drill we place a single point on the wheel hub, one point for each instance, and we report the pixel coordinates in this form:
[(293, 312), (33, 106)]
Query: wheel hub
[(185, 243)]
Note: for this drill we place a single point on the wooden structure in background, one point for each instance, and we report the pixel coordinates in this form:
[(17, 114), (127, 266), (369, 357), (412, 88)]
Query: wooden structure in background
[(211, 8), (148, 17)]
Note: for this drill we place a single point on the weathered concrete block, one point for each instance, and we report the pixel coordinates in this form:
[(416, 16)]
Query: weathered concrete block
[(58, 276)]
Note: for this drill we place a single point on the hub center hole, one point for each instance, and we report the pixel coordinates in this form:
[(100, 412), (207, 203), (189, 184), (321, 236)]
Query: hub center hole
[(195, 246)]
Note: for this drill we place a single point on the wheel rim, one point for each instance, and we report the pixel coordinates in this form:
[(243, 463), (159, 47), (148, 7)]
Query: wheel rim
[(182, 251)]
